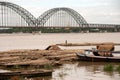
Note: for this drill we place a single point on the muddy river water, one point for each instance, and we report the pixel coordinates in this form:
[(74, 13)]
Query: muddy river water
[(73, 71)]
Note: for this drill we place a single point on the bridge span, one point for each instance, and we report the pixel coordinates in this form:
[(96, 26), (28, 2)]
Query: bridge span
[(15, 16)]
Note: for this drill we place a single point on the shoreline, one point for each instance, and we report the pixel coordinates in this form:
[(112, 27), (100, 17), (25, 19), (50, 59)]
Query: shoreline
[(58, 33)]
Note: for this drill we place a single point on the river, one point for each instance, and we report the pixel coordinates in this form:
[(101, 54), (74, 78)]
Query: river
[(76, 71), (30, 41)]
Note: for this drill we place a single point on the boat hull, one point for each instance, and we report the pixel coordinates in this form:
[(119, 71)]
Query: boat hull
[(7, 75), (93, 58)]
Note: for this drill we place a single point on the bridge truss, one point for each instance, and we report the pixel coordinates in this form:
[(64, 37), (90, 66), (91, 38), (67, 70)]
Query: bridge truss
[(12, 15), (62, 17)]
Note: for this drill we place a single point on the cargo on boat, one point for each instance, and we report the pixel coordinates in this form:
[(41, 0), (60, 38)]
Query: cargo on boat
[(103, 53)]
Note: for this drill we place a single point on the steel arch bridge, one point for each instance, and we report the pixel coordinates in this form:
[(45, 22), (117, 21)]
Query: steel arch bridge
[(12, 15), (71, 14), (10, 11)]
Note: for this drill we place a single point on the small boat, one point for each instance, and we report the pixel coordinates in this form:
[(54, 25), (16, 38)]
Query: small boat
[(30, 73), (97, 58)]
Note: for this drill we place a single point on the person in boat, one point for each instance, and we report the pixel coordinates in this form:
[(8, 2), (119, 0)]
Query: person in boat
[(104, 50)]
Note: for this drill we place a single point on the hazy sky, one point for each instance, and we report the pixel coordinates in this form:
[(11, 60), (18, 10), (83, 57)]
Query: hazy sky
[(94, 11)]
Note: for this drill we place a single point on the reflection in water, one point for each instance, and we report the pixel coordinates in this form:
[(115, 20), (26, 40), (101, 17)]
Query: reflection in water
[(85, 71), (78, 71)]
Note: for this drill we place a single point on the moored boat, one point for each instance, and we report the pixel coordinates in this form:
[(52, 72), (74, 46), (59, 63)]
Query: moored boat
[(30, 73), (102, 53), (93, 58)]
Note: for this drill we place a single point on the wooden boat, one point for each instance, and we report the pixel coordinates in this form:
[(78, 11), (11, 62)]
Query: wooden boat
[(36, 73), (27, 73), (97, 58)]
